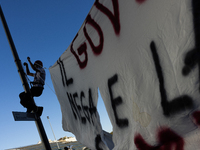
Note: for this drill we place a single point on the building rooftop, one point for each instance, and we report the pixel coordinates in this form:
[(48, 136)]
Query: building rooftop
[(62, 142)]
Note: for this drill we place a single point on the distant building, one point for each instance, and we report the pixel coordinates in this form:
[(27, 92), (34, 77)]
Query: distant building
[(62, 142)]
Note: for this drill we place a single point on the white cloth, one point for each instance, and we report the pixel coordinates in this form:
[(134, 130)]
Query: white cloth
[(134, 51)]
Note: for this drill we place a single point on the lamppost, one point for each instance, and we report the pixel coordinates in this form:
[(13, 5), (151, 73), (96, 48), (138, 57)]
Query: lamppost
[(53, 133), (25, 84)]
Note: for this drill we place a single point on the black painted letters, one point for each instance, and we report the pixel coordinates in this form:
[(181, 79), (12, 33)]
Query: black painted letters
[(115, 102)]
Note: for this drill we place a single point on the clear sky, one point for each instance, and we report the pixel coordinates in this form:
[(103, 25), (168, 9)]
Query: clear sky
[(41, 30)]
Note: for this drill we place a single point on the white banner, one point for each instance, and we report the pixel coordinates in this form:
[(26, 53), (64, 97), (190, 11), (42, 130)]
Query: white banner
[(143, 56)]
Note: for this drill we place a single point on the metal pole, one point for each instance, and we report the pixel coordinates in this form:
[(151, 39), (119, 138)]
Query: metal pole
[(53, 132), (24, 80)]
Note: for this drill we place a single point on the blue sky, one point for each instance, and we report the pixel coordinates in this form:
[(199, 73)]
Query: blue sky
[(41, 30)]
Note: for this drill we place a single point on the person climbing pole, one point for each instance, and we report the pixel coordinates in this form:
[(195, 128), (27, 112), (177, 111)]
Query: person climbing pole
[(26, 99)]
